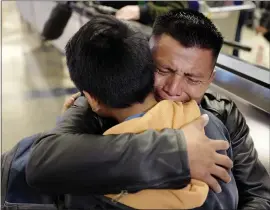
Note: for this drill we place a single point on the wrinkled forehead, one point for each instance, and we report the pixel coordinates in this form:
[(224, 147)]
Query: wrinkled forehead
[(170, 53)]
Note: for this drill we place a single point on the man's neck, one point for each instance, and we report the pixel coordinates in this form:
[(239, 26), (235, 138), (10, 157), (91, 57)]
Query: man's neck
[(122, 114)]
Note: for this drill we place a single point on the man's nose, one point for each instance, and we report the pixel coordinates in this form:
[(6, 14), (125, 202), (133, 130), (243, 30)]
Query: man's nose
[(174, 86)]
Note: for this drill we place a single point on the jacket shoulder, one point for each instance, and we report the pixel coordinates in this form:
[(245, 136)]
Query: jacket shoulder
[(226, 110), (219, 105)]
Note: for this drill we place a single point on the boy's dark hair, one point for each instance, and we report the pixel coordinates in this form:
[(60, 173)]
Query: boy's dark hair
[(111, 62), (190, 28)]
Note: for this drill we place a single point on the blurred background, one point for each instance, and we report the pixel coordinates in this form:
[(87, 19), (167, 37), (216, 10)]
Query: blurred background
[(35, 80)]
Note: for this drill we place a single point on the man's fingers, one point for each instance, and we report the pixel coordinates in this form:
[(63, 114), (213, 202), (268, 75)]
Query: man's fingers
[(223, 160), (201, 122), (213, 184), (220, 144), (69, 102), (76, 95), (221, 173)]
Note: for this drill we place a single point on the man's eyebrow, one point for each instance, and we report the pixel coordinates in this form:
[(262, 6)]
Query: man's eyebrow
[(194, 75), (168, 68)]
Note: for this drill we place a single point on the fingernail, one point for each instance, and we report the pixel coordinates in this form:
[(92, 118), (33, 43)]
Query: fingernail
[(206, 119), (219, 190), (229, 180)]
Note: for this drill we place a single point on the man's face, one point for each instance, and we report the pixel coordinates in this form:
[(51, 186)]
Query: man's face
[(182, 73)]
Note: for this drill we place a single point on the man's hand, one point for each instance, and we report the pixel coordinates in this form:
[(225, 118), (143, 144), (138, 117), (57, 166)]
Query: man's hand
[(204, 162), (70, 101), (130, 12)]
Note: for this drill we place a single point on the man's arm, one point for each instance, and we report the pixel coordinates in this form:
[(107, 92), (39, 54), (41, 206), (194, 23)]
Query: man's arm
[(77, 163), (69, 160), (252, 179)]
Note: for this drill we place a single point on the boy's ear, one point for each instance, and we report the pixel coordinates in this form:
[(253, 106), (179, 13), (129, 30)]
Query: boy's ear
[(93, 102)]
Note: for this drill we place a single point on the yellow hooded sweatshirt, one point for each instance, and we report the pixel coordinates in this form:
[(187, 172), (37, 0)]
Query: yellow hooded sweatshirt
[(165, 114)]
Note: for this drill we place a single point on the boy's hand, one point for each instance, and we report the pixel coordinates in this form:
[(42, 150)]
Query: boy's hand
[(204, 162), (70, 101)]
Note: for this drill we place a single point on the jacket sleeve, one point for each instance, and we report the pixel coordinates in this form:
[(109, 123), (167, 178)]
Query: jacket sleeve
[(70, 160), (252, 179), (150, 10)]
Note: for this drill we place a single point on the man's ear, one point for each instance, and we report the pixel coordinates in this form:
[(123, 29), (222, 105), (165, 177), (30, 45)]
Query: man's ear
[(93, 102), (213, 76)]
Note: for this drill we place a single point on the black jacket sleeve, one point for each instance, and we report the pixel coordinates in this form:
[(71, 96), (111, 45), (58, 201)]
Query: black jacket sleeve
[(251, 177), (69, 160)]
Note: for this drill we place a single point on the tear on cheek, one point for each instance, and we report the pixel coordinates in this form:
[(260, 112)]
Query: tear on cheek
[(159, 80)]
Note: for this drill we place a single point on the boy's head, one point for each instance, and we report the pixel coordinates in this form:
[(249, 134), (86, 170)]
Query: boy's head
[(110, 63)]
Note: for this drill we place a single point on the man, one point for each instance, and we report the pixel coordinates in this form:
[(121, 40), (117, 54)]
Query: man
[(144, 12), (185, 46)]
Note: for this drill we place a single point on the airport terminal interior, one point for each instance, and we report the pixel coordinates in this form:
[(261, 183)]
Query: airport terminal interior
[(35, 80)]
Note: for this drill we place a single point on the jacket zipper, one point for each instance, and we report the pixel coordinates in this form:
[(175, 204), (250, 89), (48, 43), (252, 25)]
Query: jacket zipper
[(119, 196)]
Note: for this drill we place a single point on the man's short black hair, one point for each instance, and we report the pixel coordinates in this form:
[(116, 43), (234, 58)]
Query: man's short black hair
[(190, 28), (110, 61)]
